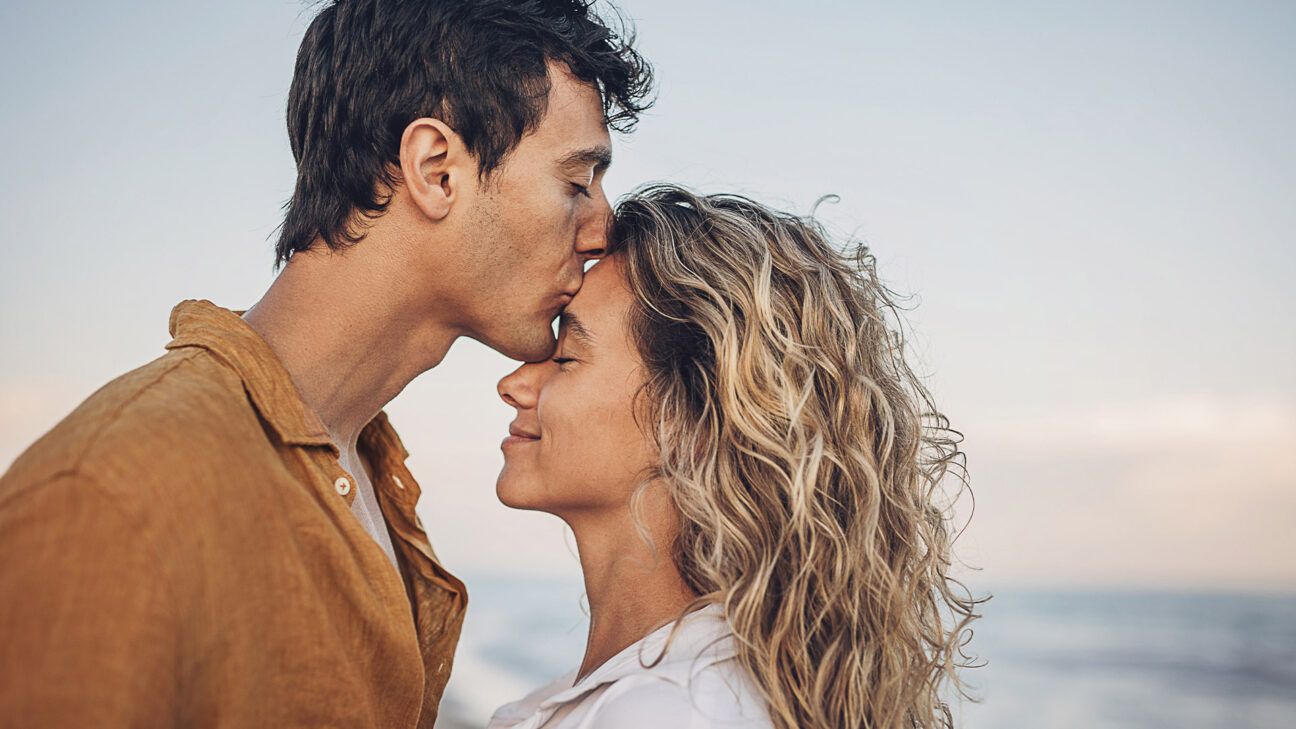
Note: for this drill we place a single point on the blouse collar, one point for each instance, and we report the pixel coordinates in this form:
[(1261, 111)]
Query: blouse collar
[(703, 638)]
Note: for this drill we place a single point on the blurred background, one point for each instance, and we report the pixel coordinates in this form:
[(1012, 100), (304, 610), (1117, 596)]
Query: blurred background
[(1092, 203)]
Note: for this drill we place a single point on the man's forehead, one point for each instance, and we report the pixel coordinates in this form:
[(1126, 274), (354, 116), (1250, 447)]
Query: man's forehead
[(574, 110)]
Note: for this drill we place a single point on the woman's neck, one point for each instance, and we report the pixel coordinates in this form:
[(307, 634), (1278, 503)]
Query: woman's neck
[(631, 589)]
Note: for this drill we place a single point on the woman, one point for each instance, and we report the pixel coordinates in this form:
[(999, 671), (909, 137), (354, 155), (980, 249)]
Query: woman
[(751, 473)]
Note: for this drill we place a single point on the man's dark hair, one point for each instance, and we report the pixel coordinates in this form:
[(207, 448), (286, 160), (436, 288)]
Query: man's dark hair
[(367, 68)]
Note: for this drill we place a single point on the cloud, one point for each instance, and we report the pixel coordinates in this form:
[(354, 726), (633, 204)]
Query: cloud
[(1196, 490), (1196, 420)]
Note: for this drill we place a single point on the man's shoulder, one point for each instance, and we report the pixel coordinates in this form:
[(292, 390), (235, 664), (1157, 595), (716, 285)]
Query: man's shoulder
[(177, 410)]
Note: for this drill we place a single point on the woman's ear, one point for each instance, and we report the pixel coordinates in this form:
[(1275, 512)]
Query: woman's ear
[(431, 165)]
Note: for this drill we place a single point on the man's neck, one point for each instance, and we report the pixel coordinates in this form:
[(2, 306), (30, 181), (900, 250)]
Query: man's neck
[(350, 339)]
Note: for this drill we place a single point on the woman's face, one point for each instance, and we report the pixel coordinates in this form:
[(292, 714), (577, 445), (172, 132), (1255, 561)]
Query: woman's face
[(574, 446)]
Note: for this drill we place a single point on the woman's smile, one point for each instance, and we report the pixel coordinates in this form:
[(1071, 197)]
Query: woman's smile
[(519, 435)]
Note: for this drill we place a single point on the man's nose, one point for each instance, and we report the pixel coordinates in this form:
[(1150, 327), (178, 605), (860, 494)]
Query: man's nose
[(592, 238)]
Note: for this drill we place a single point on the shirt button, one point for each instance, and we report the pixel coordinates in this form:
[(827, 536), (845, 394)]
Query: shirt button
[(342, 485)]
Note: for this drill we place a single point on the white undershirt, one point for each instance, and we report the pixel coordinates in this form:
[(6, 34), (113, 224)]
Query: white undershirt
[(366, 509), (699, 684)]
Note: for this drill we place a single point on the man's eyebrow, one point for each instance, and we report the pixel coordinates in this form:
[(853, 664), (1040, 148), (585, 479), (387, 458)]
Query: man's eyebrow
[(599, 156), (577, 328)]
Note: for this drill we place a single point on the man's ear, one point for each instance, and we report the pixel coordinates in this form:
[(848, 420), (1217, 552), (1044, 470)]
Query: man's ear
[(432, 159)]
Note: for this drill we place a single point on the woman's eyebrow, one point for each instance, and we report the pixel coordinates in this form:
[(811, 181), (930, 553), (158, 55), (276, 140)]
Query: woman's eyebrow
[(577, 328)]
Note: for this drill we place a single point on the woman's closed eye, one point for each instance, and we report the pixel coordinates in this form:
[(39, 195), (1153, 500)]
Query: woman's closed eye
[(563, 360)]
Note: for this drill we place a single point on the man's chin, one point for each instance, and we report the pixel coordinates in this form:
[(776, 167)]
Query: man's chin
[(523, 349), (532, 350)]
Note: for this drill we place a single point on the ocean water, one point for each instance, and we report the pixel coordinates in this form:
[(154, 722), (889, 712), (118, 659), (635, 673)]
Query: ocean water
[(1053, 658)]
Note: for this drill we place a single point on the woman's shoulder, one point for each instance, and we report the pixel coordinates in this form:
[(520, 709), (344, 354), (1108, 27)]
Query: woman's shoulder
[(718, 696), (687, 678)]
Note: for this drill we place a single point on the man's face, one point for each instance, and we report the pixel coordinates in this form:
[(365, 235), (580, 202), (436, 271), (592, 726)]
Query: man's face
[(536, 221)]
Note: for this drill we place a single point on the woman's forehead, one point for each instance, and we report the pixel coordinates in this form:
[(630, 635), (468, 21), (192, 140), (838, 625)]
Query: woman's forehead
[(601, 301)]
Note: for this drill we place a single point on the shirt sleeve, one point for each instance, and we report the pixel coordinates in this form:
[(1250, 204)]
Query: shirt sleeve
[(86, 631)]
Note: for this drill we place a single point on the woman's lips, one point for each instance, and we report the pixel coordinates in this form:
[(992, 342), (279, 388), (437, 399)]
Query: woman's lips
[(519, 433), (513, 440)]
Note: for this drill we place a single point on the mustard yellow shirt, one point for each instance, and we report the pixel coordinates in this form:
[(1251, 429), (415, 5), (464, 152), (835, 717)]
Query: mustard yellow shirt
[(180, 551)]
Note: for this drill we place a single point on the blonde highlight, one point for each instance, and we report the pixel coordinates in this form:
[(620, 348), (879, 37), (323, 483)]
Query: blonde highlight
[(805, 457)]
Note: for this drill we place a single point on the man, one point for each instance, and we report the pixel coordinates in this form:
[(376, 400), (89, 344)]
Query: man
[(226, 537)]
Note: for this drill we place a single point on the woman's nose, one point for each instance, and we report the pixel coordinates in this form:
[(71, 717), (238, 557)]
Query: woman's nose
[(520, 387)]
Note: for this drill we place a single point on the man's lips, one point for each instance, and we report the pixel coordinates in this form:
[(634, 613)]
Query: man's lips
[(560, 302)]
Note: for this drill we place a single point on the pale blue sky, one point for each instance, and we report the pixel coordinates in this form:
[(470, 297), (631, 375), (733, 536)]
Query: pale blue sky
[(1093, 201)]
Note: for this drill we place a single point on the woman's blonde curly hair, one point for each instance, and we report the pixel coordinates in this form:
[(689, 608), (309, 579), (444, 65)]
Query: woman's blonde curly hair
[(805, 457)]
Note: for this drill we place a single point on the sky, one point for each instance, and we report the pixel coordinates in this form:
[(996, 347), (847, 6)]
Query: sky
[(1092, 205)]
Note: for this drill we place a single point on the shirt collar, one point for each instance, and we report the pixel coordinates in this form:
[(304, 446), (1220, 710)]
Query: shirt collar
[(704, 637), (222, 332)]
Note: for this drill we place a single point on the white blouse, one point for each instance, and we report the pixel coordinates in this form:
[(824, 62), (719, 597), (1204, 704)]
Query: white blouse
[(699, 684)]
